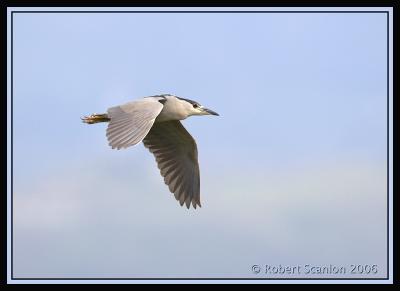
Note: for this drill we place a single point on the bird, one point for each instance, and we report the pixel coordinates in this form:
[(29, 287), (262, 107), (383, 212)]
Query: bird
[(155, 121)]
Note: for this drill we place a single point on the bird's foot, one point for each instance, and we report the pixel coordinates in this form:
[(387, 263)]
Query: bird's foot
[(95, 118)]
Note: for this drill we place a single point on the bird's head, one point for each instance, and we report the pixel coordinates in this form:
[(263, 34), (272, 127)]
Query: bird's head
[(192, 108)]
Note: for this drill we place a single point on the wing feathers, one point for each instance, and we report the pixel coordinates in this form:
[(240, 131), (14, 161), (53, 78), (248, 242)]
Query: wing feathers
[(176, 154), (173, 147), (130, 122)]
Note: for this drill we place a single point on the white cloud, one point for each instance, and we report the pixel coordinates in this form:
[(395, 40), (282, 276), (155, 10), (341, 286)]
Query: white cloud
[(119, 219)]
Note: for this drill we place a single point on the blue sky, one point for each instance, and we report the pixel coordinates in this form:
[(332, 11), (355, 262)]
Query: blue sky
[(292, 172)]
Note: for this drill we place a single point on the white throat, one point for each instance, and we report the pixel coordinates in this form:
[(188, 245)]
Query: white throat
[(174, 109)]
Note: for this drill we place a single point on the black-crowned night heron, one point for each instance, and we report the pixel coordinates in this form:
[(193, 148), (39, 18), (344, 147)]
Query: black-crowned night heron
[(155, 121)]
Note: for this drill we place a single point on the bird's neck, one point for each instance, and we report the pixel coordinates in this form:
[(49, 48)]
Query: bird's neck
[(174, 109)]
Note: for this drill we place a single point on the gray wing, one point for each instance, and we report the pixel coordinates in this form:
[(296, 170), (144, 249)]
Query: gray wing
[(130, 122), (175, 151)]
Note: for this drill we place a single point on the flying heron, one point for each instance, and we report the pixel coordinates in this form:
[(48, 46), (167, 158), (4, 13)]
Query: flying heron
[(155, 121)]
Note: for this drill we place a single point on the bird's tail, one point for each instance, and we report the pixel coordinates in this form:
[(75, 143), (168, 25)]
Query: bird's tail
[(95, 118)]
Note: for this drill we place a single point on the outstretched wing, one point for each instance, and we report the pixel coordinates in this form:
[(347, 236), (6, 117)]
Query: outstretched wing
[(175, 151), (130, 122)]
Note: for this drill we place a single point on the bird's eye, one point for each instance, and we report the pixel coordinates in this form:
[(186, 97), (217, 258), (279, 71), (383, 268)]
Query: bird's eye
[(195, 105)]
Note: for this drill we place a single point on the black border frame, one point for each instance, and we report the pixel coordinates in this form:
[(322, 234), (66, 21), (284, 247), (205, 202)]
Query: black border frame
[(205, 11)]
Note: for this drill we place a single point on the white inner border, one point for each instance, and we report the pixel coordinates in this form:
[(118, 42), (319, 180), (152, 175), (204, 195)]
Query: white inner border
[(287, 281)]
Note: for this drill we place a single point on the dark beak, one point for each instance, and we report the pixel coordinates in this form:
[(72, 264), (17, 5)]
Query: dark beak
[(209, 111)]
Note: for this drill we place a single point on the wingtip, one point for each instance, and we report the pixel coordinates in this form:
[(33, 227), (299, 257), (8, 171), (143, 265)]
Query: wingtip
[(195, 204)]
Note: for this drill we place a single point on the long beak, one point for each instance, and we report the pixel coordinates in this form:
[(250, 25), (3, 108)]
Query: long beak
[(209, 111)]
